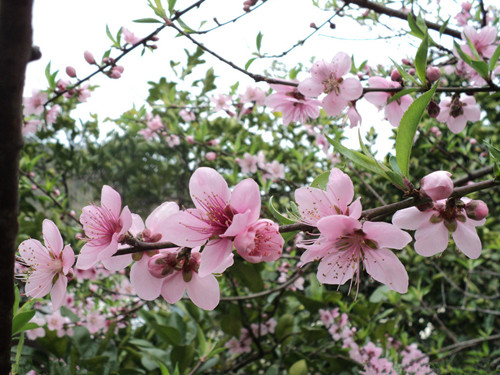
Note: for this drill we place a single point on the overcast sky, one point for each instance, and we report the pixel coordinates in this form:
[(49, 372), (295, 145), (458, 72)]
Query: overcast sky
[(64, 29)]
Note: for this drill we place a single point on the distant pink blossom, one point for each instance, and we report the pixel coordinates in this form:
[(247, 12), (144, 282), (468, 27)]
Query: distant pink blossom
[(260, 242), (50, 265), (172, 140), (274, 170), (186, 115), (104, 226), (52, 114), (253, 94), (31, 126), (432, 228), (34, 333), (345, 243), (395, 110), (221, 102), (95, 321), (329, 78), (34, 104), (483, 40), (211, 156), (83, 93), (248, 163), (57, 322), (129, 36), (294, 106), (456, 111), (315, 204), (219, 216), (464, 15)]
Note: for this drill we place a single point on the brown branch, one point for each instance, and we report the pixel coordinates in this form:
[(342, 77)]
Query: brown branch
[(15, 44), (377, 8)]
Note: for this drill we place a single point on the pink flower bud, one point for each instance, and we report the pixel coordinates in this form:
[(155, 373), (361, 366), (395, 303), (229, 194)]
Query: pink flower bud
[(57, 192), (473, 141), (411, 71), (211, 156), (406, 61), (155, 38), (72, 213), (33, 187), (190, 139), (433, 73), (395, 76), (261, 242), (433, 109), (70, 71), (476, 210), (89, 57), (32, 174), (466, 7), (437, 185), (312, 25), (119, 68)]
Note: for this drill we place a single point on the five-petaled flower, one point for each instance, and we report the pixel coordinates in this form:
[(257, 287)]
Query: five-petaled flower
[(49, 265)]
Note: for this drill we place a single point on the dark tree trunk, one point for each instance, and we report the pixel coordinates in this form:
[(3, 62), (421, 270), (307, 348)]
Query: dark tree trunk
[(15, 50)]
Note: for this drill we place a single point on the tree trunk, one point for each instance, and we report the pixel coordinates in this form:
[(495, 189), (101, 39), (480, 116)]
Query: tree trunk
[(15, 50)]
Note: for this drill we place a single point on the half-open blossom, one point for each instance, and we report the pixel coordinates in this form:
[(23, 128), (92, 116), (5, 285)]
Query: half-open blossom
[(314, 203), (104, 226), (219, 216), (50, 265), (329, 78), (456, 111), (260, 242), (177, 271), (437, 185), (345, 243), (432, 227), (395, 110), (129, 36), (294, 106)]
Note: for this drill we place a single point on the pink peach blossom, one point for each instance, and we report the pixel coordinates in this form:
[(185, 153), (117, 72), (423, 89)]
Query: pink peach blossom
[(345, 242), (221, 102), (432, 228), (104, 226), (52, 114), (393, 111), (260, 242), (186, 115), (253, 94), (34, 104), (483, 40), (294, 106), (129, 36), (315, 204), (248, 163), (456, 111), (329, 78), (50, 265), (219, 216)]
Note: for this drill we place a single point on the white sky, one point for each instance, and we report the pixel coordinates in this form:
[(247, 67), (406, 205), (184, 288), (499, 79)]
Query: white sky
[(64, 29)]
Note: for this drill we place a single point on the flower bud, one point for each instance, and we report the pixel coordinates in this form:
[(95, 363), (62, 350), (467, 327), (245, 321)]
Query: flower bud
[(89, 57), (406, 61), (437, 185), (211, 156), (411, 71), (190, 139), (433, 109), (476, 210), (155, 38), (433, 73), (395, 76), (312, 25), (70, 71), (466, 7)]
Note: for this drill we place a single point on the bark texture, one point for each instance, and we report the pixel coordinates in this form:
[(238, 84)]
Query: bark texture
[(15, 51)]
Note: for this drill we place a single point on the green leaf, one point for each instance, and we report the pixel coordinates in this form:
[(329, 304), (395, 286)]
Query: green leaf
[(444, 26), (357, 158), (20, 320), (215, 351), (249, 62), (160, 11), (258, 41), (110, 36), (299, 368), (421, 59), (321, 181), (282, 219), (494, 58), (472, 48), (481, 67), (394, 165), (147, 20), (494, 152), (163, 369), (171, 4), (401, 93), (415, 30), (17, 296), (462, 54), (202, 342), (407, 128)]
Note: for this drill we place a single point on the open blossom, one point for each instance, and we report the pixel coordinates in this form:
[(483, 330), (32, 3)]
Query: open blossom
[(295, 106), (483, 40), (177, 271), (395, 110), (464, 14), (129, 36), (260, 242), (315, 204), (219, 216), (34, 104), (52, 114), (221, 102), (329, 78), (345, 243), (432, 227), (31, 127), (50, 265), (456, 111), (274, 170), (253, 94), (103, 227), (248, 163), (186, 115)]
